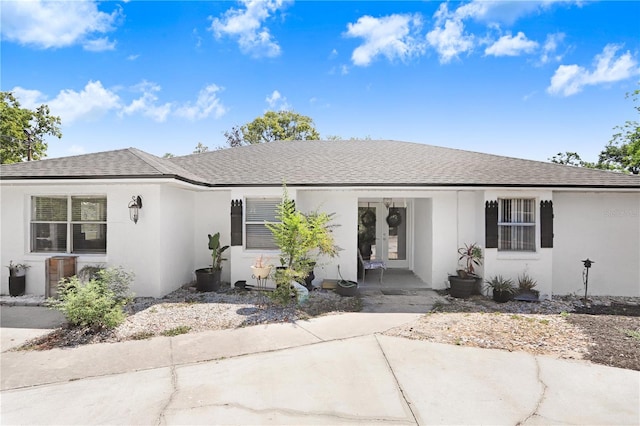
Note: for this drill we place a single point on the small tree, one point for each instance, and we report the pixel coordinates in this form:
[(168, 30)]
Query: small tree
[(22, 130), (302, 239)]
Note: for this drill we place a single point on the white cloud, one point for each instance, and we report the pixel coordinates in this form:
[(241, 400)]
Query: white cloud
[(448, 37), (132, 57), (91, 102), (99, 45), (207, 104), (277, 102), (511, 46), (146, 104), (550, 47), (48, 24), (571, 79), (390, 36), (508, 12), (247, 26), (29, 99), (95, 100)]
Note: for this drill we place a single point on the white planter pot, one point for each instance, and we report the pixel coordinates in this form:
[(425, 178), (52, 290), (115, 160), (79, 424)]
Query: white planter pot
[(261, 272)]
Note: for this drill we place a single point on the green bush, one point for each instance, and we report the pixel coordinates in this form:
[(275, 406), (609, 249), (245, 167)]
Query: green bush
[(98, 303)]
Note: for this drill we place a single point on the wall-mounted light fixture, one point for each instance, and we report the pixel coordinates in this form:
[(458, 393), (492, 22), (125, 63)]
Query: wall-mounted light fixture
[(387, 202), (134, 206)]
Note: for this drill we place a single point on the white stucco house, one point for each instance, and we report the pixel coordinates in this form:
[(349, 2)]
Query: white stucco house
[(528, 216)]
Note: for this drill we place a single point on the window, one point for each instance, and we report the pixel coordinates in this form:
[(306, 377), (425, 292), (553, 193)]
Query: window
[(258, 212), (69, 224), (516, 225)]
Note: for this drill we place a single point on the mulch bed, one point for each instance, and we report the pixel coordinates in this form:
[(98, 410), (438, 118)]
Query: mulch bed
[(615, 330)]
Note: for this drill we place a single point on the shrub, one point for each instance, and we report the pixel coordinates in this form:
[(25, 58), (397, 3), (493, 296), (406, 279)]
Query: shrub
[(526, 283), (98, 303)]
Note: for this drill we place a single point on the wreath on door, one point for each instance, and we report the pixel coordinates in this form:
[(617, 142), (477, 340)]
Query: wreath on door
[(394, 218), (368, 218)]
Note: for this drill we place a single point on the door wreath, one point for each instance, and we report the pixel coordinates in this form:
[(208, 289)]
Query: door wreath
[(394, 218), (368, 218)]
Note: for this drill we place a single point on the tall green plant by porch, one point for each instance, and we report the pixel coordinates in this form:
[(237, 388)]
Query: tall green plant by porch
[(301, 238)]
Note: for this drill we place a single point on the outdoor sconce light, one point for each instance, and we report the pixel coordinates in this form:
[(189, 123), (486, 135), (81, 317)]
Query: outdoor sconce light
[(134, 206), (386, 202)]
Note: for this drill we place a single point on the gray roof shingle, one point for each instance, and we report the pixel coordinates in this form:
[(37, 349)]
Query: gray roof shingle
[(122, 163), (326, 163)]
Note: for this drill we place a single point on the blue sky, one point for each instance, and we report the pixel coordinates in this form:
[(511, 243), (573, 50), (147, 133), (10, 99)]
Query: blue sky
[(523, 79)]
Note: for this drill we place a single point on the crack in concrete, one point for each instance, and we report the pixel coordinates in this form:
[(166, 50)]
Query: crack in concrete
[(542, 395), (314, 335), (404, 397), (174, 387), (287, 411)]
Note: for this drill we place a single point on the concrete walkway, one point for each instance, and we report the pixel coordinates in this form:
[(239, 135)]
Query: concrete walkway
[(336, 369)]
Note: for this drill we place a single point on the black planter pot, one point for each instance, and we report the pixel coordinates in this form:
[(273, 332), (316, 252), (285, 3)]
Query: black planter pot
[(477, 289), (308, 280), (17, 286), (347, 288), (461, 287), (502, 296), (207, 279)]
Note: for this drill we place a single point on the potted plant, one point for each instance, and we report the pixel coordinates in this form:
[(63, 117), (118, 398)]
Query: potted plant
[(302, 239), (208, 279), (502, 288), (260, 271), (17, 278), (466, 281), (526, 289)]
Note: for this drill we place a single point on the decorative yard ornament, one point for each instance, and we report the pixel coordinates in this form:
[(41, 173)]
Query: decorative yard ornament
[(585, 275)]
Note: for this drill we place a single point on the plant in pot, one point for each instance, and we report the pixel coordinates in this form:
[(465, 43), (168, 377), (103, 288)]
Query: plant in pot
[(502, 288), (261, 270), (466, 281), (526, 289), (17, 278), (302, 239), (208, 279)]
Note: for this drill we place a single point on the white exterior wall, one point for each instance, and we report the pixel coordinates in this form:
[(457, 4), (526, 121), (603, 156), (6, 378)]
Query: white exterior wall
[(423, 237), (170, 240), (135, 247), (604, 227), (538, 264), (211, 214), (345, 206), (176, 251)]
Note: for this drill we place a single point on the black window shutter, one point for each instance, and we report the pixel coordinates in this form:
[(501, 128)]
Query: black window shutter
[(491, 224), (236, 222), (546, 224)]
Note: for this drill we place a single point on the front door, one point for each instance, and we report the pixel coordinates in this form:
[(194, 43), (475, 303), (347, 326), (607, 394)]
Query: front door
[(382, 233)]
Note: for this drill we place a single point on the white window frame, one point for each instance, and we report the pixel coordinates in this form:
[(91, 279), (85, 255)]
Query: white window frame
[(246, 222), (69, 222), (519, 221)]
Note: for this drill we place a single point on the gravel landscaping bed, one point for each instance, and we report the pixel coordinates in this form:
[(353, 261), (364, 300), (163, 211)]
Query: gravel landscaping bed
[(184, 311), (606, 330)]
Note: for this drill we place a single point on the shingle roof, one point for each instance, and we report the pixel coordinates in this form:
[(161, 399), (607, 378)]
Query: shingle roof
[(325, 163), (123, 163), (388, 163)]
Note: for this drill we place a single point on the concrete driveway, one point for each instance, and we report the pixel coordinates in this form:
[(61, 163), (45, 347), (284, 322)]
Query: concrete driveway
[(336, 369), (19, 324)]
